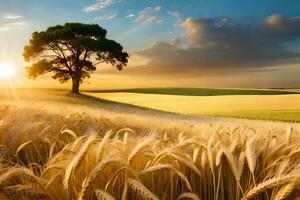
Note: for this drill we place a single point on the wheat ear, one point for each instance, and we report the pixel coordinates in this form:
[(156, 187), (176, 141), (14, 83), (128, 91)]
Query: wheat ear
[(18, 191), (138, 187), (102, 195), (76, 162), (188, 195), (270, 183)]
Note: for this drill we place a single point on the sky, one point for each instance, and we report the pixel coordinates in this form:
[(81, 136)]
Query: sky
[(178, 43)]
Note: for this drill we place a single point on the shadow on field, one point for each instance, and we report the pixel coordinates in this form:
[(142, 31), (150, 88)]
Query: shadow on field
[(46, 97), (122, 107)]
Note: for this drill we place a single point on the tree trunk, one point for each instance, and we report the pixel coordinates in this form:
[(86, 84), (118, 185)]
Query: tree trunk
[(75, 85)]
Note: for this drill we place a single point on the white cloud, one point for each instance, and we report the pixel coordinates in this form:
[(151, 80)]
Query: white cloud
[(5, 28), (10, 16), (100, 4), (149, 15), (13, 25), (20, 24), (130, 16), (150, 18), (174, 13), (106, 17), (159, 21)]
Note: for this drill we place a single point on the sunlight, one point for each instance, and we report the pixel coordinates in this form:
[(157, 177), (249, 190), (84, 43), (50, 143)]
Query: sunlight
[(7, 71)]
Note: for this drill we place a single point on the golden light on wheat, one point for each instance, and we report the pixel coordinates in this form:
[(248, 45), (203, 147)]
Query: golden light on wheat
[(68, 158)]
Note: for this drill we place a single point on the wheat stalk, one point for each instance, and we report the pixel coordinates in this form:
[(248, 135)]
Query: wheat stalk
[(270, 183), (168, 166), (76, 161), (195, 154), (70, 133), (102, 195), (139, 148), (188, 195), (219, 157), (86, 186), (186, 162), (22, 146), (138, 187), (18, 191), (284, 192), (102, 144), (21, 173), (250, 154)]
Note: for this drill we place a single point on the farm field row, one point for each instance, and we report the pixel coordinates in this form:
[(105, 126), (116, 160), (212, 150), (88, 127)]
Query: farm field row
[(269, 107)]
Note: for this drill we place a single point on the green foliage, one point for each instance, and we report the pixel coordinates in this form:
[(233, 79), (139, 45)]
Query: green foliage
[(72, 51), (201, 91)]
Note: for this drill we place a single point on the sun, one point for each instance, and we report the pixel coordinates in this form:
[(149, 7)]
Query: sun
[(7, 71)]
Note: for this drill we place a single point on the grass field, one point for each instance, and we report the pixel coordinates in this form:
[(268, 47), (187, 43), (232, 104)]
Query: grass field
[(201, 91), (57, 146), (253, 104)]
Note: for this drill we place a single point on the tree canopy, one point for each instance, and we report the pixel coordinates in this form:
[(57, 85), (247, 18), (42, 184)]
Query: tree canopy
[(72, 52)]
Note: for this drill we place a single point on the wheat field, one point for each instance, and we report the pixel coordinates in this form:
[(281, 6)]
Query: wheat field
[(72, 153), (284, 107)]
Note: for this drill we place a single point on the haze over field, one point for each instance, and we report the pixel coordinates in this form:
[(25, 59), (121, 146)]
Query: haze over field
[(150, 100), (198, 43)]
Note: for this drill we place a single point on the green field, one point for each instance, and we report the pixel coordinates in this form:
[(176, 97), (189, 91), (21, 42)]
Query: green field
[(200, 91), (253, 104)]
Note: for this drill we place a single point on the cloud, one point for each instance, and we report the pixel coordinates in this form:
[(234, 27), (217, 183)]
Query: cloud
[(130, 16), (106, 17), (174, 13), (5, 28), (13, 25), (100, 4), (10, 16), (149, 15), (12, 21), (217, 46), (20, 24)]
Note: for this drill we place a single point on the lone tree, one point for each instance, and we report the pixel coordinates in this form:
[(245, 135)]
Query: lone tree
[(72, 51)]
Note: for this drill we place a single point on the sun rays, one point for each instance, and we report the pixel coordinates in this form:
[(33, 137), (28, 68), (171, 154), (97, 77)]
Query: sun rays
[(7, 71)]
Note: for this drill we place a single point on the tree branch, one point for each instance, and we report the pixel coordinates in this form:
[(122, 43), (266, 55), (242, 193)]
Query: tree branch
[(62, 56), (98, 63)]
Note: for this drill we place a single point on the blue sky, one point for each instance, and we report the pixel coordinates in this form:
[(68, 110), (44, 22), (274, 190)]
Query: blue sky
[(42, 13), (189, 28)]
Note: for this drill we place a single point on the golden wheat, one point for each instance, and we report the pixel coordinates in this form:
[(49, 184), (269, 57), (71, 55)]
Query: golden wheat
[(219, 162)]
